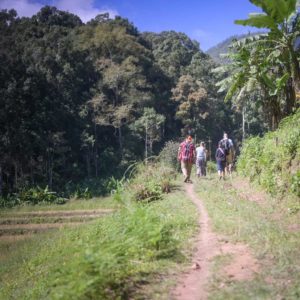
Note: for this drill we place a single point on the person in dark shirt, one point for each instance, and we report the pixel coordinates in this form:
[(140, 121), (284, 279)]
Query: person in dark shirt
[(221, 160), (229, 152)]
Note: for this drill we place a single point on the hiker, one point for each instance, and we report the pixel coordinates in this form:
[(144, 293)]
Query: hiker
[(229, 151), (186, 156), (221, 160), (201, 160)]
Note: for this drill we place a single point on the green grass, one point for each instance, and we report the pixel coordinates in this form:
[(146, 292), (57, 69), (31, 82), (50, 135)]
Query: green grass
[(115, 257), (94, 203), (41, 220), (274, 246)]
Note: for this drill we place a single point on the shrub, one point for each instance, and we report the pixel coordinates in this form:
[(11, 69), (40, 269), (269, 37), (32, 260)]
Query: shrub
[(82, 193), (210, 167), (9, 201), (150, 181), (32, 196), (295, 186), (88, 188), (116, 188), (168, 155), (149, 191), (270, 161)]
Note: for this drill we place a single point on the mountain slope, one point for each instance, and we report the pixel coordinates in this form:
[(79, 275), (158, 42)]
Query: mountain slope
[(221, 48)]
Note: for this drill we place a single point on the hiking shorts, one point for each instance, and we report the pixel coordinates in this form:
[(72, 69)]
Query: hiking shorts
[(229, 158), (201, 164), (186, 168), (221, 165)]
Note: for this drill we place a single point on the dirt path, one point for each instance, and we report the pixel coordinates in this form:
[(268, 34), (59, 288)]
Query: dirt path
[(192, 285)]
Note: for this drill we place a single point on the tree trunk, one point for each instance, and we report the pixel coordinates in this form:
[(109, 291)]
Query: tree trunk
[(275, 111), (120, 140), (243, 122), (295, 72), (88, 162), (150, 147), (275, 119), (31, 171), (290, 96), (16, 175), (50, 171), (96, 162), (146, 142), (96, 150), (1, 182)]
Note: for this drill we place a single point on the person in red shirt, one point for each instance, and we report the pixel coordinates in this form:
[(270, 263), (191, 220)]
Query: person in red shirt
[(186, 156)]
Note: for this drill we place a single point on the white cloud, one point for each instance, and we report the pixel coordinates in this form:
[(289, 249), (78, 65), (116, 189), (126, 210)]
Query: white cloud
[(85, 9), (24, 8)]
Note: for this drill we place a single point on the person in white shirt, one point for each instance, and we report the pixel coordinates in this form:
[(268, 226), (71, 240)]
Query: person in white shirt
[(201, 160)]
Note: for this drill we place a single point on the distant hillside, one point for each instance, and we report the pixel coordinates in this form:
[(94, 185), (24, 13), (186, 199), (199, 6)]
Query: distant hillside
[(222, 47)]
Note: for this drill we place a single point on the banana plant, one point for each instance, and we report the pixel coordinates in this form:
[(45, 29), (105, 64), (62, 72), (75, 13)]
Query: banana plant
[(280, 18)]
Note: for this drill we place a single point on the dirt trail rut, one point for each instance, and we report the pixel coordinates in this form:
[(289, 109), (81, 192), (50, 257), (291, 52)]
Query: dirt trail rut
[(192, 285)]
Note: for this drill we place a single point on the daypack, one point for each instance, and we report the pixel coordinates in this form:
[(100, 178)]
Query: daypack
[(226, 145), (220, 155), (186, 150)]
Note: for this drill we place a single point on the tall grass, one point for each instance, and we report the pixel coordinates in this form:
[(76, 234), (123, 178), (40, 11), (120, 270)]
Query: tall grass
[(273, 161), (150, 181), (111, 258), (273, 244)]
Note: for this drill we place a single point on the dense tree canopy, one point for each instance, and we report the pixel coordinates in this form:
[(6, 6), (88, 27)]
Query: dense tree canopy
[(76, 98)]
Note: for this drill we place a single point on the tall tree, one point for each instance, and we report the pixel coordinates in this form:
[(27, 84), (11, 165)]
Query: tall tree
[(192, 99), (150, 126)]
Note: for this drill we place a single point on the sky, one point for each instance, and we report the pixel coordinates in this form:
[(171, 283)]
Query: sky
[(207, 21)]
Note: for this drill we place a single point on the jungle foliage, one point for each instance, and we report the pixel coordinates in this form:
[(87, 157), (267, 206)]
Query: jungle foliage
[(274, 160), (263, 79), (81, 102)]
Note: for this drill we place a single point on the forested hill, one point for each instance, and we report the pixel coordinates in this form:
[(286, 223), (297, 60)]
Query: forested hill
[(82, 101), (223, 48)]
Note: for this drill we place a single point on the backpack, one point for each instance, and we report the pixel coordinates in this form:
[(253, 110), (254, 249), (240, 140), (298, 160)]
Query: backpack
[(226, 145), (220, 155), (186, 151)]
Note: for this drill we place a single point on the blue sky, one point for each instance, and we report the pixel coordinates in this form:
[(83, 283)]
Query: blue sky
[(209, 22)]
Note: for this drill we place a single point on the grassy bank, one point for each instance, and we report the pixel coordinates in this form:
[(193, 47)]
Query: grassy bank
[(273, 161), (266, 229), (113, 257), (94, 203)]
